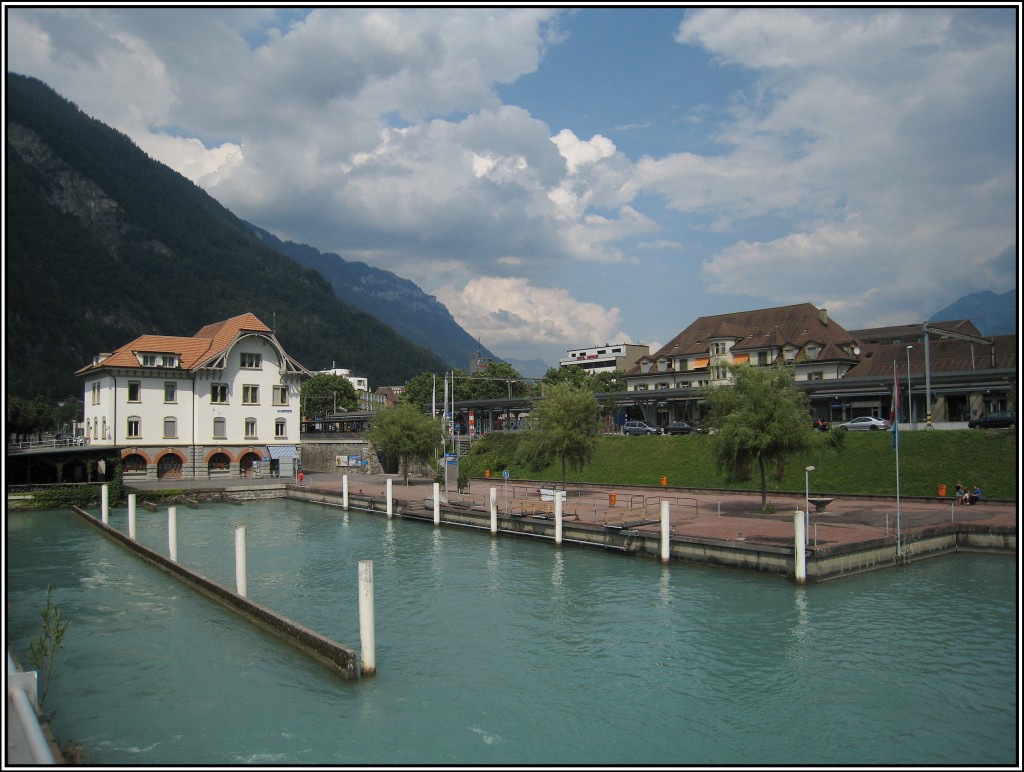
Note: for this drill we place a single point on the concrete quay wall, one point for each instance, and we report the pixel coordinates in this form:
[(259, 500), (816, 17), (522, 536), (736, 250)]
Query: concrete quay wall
[(822, 563), (335, 656)]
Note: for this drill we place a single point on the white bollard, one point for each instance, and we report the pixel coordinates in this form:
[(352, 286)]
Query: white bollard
[(666, 546), (344, 491), (240, 567), (387, 485), (437, 503), (131, 515), (558, 518), (494, 511), (105, 503), (367, 642), (799, 551), (172, 533)]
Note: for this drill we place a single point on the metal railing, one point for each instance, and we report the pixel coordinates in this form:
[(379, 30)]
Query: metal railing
[(27, 445)]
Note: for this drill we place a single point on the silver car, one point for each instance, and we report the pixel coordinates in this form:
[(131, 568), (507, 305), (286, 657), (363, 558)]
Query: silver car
[(639, 427), (867, 423)]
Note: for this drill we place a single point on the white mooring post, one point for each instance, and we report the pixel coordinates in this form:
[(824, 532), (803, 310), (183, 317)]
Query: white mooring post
[(367, 636), (131, 515), (494, 511), (799, 548), (387, 485), (240, 561), (105, 502), (558, 518), (666, 547), (437, 503), (172, 533), (344, 491)]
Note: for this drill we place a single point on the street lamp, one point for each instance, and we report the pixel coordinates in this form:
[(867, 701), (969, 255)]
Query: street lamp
[(910, 401), (807, 501)]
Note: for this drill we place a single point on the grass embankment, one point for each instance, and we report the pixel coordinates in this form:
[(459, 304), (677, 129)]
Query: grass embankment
[(865, 464)]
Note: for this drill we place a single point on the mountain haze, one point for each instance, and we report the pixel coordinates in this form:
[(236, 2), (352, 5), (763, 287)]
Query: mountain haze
[(397, 302), (104, 244), (992, 314)]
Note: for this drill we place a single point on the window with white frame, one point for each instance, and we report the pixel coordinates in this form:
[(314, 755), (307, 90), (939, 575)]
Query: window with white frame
[(718, 347), (815, 376), (718, 373), (250, 428), (134, 426), (280, 428), (170, 391), (96, 392), (104, 427), (251, 361), (280, 395), (170, 427), (220, 428), (134, 391), (149, 360), (219, 393), (250, 394), (169, 360)]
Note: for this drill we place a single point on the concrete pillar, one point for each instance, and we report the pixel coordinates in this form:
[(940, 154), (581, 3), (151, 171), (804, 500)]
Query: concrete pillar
[(437, 503), (344, 491), (391, 505), (666, 546), (172, 533), (494, 511), (131, 515), (105, 502), (367, 635), (558, 517), (799, 550), (240, 567)]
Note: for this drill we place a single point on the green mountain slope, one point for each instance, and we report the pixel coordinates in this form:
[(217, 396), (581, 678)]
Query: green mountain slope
[(104, 244)]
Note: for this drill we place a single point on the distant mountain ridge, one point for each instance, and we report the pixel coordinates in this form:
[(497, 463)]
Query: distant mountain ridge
[(397, 302), (992, 314), (103, 244)]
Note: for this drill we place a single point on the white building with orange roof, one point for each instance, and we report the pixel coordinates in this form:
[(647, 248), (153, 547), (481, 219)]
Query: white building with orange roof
[(222, 402)]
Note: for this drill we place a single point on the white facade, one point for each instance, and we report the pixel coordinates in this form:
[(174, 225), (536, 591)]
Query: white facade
[(357, 381), (606, 358), (197, 407)]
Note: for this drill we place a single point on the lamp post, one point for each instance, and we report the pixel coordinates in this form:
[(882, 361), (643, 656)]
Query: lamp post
[(910, 400), (807, 501)]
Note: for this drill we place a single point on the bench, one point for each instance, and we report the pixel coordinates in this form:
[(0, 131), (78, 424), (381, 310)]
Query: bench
[(819, 503)]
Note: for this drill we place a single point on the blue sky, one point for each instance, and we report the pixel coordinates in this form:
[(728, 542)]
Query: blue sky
[(564, 177)]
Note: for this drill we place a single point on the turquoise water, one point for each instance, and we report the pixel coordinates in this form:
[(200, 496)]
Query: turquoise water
[(508, 651)]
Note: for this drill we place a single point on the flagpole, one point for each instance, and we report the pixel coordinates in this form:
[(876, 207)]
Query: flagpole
[(896, 439)]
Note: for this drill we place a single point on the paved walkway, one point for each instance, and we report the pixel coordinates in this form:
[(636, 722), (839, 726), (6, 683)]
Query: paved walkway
[(716, 514)]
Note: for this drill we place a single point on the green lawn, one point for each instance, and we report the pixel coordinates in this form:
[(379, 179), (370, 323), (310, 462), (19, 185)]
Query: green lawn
[(866, 463)]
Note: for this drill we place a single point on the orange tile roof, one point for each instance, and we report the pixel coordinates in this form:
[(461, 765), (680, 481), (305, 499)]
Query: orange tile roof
[(193, 352)]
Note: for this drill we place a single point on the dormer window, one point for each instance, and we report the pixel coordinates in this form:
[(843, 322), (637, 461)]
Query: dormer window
[(812, 352), (169, 360), (645, 365), (718, 348)]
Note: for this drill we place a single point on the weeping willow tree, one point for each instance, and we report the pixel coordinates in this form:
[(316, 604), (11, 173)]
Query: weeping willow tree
[(760, 420), (564, 426)]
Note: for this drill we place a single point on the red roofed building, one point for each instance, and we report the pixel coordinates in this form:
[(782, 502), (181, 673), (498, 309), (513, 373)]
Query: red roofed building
[(224, 401)]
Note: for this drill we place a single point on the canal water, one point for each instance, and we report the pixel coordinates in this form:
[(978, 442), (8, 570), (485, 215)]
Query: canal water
[(507, 651)]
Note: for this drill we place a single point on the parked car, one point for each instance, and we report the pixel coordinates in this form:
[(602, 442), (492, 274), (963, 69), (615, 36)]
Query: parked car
[(639, 427), (866, 423), (1001, 419), (679, 427), (820, 424)]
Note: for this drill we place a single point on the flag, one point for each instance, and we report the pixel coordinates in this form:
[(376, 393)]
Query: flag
[(894, 413)]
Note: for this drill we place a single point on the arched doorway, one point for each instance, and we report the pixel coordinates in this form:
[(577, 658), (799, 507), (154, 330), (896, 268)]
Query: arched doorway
[(134, 463), (246, 462), (168, 466), (219, 464)]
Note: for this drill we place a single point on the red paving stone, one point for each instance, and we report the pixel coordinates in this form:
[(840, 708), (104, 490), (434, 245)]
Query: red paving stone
[(725, 515)]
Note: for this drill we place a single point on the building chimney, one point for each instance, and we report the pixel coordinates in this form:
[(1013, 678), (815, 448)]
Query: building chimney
[(823, 315)]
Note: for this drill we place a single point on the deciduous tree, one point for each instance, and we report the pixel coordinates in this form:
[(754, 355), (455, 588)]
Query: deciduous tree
[(562, 425), (405, 433), (761, 418), (326, 393)]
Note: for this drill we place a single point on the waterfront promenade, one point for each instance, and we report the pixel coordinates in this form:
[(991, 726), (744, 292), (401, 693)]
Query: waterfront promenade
[(713, 514)]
